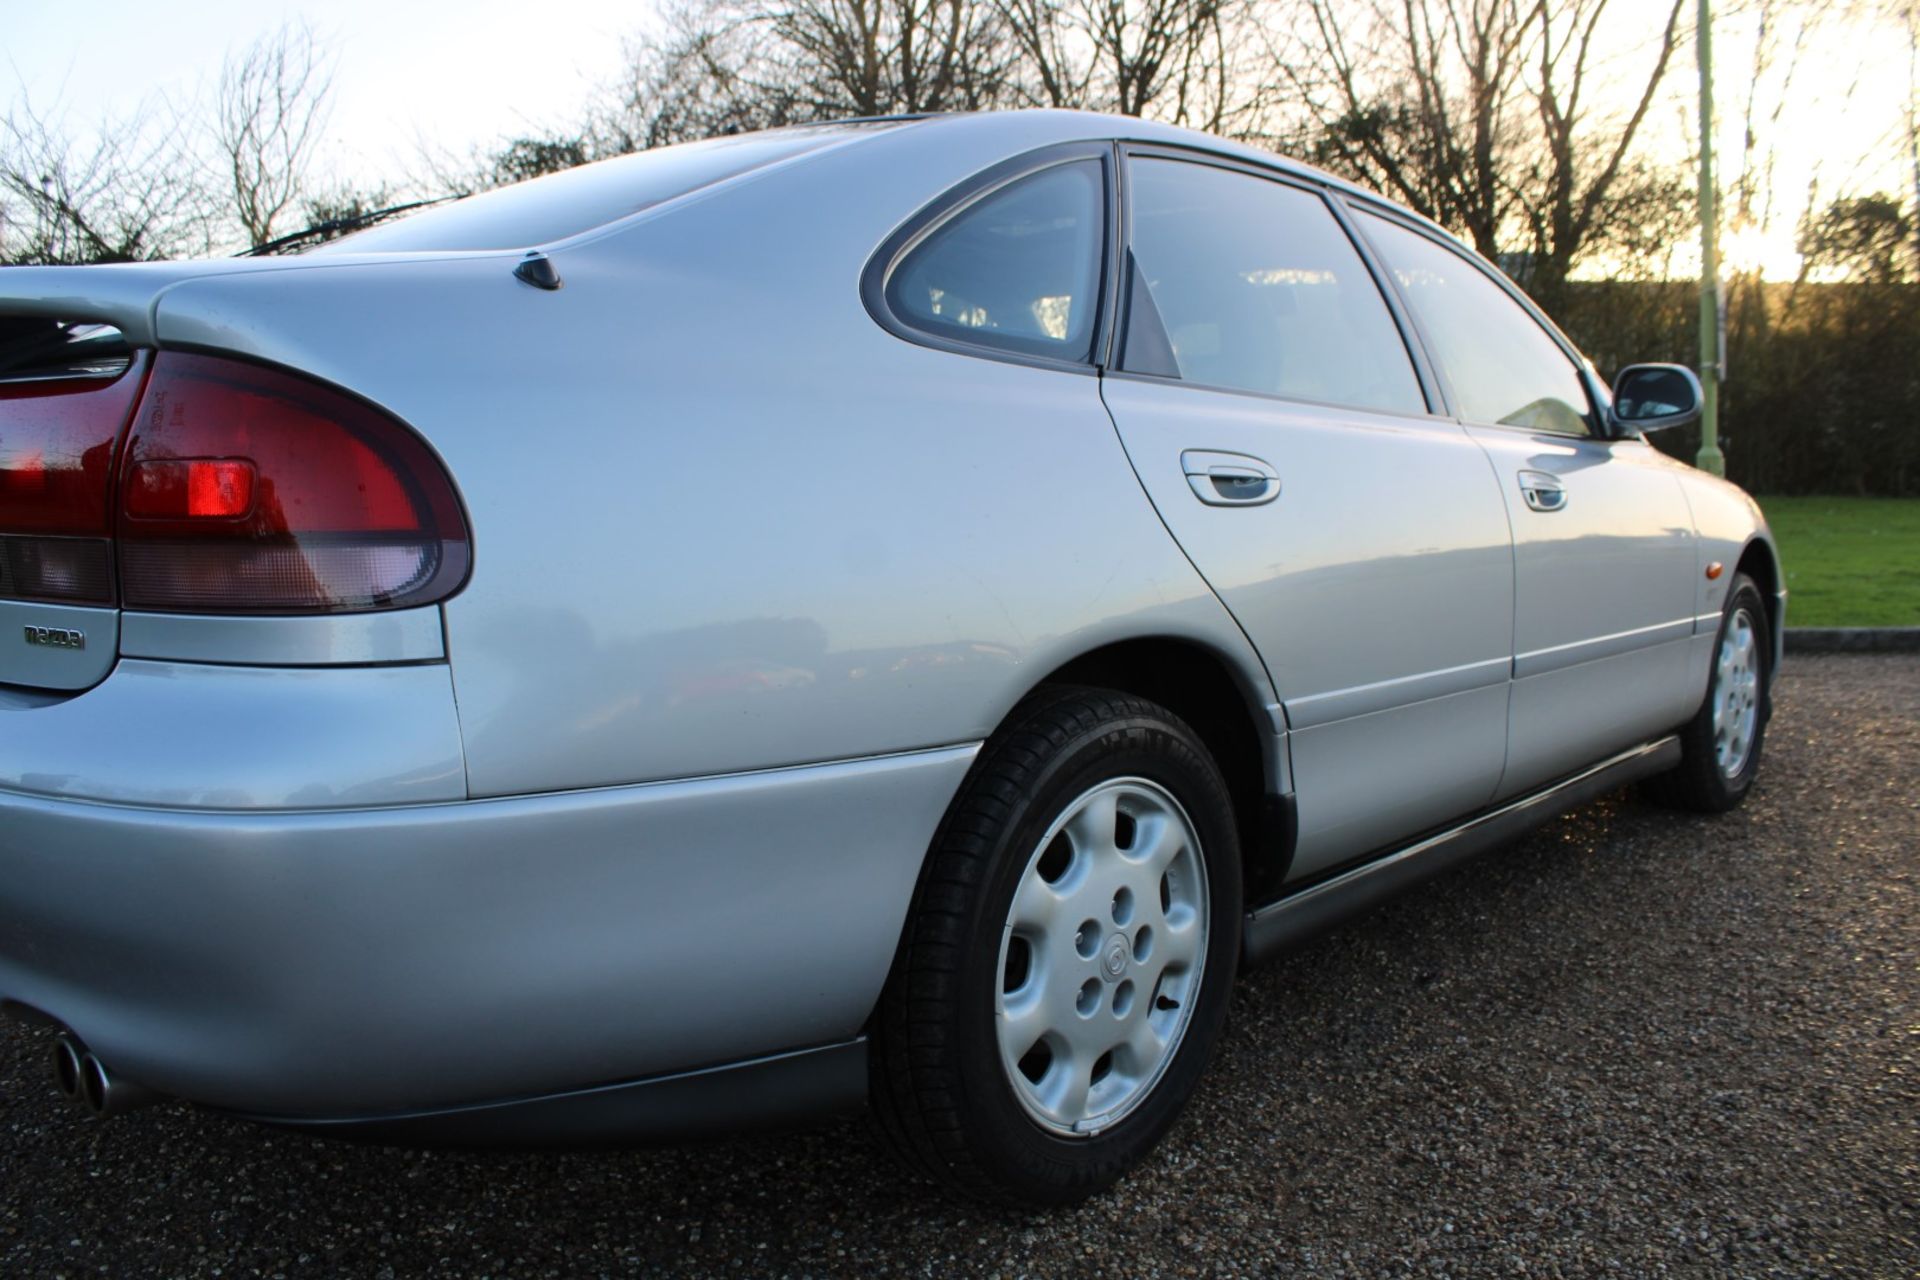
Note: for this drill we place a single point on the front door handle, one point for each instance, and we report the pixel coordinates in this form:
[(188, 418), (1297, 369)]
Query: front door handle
[(1543, 492), (1229, 479)]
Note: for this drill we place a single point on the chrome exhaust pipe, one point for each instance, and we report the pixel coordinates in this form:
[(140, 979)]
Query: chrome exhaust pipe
[(67, 1058), (106, 1094)]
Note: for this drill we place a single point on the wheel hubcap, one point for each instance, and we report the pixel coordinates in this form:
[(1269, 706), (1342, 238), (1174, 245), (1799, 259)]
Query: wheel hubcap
[(1736, 695), (1101, 956)]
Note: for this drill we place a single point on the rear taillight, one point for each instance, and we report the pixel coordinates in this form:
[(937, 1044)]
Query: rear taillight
[(57, 437), (247, 489)]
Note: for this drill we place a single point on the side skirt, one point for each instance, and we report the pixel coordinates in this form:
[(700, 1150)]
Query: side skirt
[(1281, 926), (781, 1091)]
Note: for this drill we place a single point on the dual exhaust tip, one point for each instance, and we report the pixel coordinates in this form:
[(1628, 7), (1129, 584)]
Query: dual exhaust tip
[(84, 1079)]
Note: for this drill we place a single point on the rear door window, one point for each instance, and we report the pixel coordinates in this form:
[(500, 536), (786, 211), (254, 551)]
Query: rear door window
[(1250, 284), (1017, 270), (1503, 368)]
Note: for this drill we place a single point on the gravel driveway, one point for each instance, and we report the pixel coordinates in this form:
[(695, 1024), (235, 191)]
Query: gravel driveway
[(1636, 1044)]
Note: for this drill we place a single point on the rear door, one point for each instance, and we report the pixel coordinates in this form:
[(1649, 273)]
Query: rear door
[(1604, 557), (1270, 405), (66, 390)]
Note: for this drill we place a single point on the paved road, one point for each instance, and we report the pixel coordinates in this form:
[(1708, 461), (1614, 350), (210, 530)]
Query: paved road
[(1636, 1044)]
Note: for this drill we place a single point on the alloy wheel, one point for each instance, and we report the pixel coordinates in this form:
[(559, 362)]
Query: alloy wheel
[(1101, 956), (1736, 695)]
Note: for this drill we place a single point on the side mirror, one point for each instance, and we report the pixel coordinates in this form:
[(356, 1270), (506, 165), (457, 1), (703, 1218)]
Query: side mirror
[(1653, 397)]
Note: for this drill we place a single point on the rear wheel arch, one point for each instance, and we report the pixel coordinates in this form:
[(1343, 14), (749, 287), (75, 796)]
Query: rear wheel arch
[(1216, 698), (977, 1102), (1207, 691)]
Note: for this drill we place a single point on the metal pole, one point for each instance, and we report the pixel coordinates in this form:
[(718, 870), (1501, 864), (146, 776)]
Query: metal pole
[(1913, 111), (1710, 458)]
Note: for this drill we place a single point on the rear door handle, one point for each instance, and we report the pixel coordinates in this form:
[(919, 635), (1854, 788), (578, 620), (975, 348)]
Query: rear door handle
[(1543, 492), (1229, 479)]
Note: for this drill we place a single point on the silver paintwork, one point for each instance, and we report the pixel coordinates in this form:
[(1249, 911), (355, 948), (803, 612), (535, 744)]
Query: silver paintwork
[(1603, 600), (727, 525), (1736, 694), (181, 735), (125, 294), (347, 639), (1730, 528), (1330, 586), (688, 584), (1110, 949), (360, 961), (47, 666)]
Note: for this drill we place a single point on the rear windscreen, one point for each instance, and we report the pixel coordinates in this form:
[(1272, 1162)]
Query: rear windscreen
[(565, 204)]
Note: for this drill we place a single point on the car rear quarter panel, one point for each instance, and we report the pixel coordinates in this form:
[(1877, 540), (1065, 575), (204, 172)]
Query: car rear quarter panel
[(723, 521)]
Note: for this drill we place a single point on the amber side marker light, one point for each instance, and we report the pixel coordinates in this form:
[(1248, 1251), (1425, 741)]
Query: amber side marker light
[(1714, 570)]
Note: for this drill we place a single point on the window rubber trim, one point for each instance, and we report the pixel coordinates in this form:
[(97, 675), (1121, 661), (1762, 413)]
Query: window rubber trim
[(1425, 372), (1598, 419), (955, 201)]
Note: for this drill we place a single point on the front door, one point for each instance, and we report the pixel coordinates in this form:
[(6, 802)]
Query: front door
[(1604, 556)]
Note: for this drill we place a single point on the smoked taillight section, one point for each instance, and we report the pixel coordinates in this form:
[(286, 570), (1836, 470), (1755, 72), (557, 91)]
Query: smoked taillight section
[(248, 489), (57, 441)]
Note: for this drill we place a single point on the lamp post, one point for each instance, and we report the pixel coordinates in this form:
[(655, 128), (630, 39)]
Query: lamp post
[(1709, 458)]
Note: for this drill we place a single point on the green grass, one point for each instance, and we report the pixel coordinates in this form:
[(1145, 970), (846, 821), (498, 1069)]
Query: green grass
[(1851, 562)]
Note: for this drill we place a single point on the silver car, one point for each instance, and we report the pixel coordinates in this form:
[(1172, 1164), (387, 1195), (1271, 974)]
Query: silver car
[(892, 613)]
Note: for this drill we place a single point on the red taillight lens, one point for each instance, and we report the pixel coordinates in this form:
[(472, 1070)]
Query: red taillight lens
[(57, 439), (190, 488), (250, 489)]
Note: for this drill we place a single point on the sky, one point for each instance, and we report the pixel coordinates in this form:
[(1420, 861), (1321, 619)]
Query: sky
[(452, 75), (448, 79)]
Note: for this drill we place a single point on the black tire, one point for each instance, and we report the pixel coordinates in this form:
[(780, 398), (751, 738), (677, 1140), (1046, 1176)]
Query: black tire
[(1699, 783), (942, 1098)]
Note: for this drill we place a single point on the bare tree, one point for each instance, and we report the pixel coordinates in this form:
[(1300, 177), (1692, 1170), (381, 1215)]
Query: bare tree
[(724, 66), (1481, 114), (269, 112), (1171, 58), (123, 192), (882, 57), (708, 73), (1057, 63), (1868, 238)]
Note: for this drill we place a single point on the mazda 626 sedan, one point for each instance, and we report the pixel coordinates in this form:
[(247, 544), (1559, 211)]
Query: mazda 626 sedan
[(889, 613)]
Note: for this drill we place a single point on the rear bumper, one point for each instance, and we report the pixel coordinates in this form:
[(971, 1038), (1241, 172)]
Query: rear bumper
[(360, 963), (776, 1091)]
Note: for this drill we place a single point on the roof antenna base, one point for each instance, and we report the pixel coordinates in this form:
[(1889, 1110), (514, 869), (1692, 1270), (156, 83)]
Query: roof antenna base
[(537, 270)]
